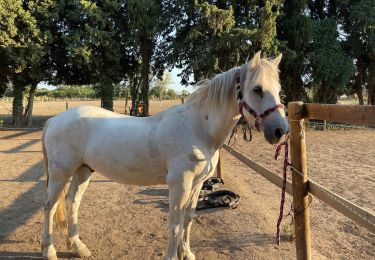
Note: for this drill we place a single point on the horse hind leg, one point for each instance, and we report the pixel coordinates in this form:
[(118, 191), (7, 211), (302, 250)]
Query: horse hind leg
[(54, 191), (80, 181)]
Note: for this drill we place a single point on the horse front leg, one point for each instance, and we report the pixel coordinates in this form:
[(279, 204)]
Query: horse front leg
[(191, 207), (188, 221), (180, 189)]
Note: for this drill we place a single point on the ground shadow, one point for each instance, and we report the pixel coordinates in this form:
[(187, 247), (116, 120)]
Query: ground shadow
[(20, 133), (19, 148), (225, 241), (154, 192), (34, 255), (33, 174), (25, 205), (161, 202), (38, 121)]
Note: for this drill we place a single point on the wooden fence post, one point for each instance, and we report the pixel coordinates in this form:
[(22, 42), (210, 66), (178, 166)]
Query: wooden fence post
[(299, 183)]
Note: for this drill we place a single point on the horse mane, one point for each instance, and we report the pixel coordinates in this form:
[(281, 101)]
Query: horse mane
[(217, 91), (220, 90)]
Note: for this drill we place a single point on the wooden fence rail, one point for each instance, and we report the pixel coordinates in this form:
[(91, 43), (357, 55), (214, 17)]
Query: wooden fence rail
[(301, 186), (359, 215)]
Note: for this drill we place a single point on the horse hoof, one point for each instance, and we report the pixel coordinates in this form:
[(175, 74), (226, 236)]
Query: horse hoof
[(190, 256), (82, 251), (50, 254)]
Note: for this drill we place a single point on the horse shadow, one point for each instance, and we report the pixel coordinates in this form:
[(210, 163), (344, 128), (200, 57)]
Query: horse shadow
[(159, 198)]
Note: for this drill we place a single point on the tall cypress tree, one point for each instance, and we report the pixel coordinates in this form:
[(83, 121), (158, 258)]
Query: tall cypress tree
[(295, 32), (358, 20)]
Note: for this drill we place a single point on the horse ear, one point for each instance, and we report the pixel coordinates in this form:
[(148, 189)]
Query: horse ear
[(276, 61), (255, 60)]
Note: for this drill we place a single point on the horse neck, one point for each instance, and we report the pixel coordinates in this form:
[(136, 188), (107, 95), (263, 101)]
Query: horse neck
[(220, 122), (216, 122)]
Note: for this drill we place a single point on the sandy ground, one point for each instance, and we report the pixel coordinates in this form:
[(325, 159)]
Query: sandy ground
[(130, 222)]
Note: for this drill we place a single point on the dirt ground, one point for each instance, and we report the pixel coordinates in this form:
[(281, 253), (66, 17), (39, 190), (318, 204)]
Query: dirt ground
[(130, 222)]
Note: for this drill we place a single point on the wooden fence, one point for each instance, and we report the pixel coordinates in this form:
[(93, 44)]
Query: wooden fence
[(301, 187)]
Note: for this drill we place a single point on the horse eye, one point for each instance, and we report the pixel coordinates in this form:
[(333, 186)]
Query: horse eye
[(258, 90)]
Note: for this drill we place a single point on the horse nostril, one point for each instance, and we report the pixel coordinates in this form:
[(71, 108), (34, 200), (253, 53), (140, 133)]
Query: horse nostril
[(279, 133)]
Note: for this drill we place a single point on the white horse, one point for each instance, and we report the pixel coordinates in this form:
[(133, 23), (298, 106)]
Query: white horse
[(178, 147)]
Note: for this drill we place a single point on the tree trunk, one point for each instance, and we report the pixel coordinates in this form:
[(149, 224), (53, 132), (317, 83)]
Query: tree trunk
[(126, 101), (358, 81), (17, 105), (357, 87), (146, 52), (359, 93), (294, 83), (371, 84), (133, 94), (106, 94), (29, 108)]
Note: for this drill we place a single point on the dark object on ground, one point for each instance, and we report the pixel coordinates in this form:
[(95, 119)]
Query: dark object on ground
[(211, 197)]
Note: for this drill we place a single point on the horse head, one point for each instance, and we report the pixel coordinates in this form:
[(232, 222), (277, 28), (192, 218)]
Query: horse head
[(259, 98)]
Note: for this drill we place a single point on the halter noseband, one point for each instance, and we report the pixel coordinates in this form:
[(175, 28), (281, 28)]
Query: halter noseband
[(243, 105)]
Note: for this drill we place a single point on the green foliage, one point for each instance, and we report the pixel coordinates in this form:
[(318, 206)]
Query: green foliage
[(331, 67), (24, 41), (69, 92), (214, 36), (185, 93), (149, 28), (159, 87), (358, 21), (267, 31), (328, 46), (295, 33), (171, 94)]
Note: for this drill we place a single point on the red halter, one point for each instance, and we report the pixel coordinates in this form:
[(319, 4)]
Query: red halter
[(258, 118), (242, 104)]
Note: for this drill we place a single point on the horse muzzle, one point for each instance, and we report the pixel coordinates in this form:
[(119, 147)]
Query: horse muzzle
[(273, 131)]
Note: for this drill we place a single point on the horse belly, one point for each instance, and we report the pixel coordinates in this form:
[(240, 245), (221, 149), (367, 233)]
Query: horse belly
[(126, 152), (142, 173)]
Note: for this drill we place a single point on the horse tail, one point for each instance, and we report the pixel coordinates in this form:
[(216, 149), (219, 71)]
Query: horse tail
[(60, 215)]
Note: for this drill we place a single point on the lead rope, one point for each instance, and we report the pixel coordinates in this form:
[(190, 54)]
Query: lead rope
[(286, 164)]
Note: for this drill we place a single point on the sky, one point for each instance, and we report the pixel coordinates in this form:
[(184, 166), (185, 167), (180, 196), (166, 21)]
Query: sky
[(176, 85)]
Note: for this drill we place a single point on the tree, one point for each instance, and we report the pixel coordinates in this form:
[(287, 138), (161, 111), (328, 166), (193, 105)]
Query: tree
[(164, 84), (159, 87), (331, 68), (171, 94), (358, 20), (214, 36), (294, 30), (147, 22), (185, 93), (24, 38), (88, 45)]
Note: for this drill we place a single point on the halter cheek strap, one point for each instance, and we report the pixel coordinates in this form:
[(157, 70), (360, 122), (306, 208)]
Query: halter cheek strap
[(243, 105)]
